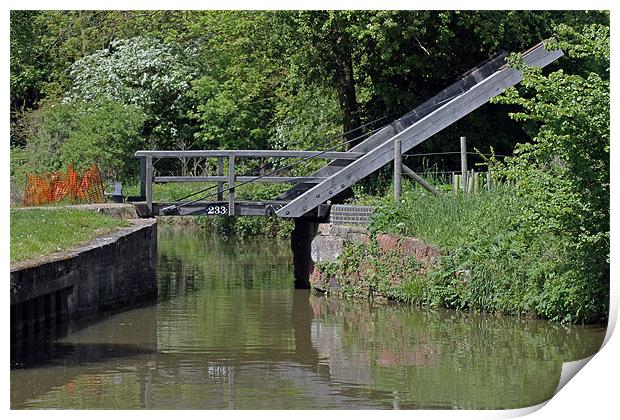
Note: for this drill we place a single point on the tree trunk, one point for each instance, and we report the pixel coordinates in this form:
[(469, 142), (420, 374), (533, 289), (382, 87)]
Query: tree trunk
[(348, 101)]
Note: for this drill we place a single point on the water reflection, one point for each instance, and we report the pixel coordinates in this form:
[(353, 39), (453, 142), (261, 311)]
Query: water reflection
[(439, 359), (229, 331)]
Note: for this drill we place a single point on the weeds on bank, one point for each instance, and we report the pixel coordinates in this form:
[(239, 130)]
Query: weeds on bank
[(491, 262)]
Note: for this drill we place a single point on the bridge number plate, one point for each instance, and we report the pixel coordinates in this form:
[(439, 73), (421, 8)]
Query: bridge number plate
[(217, 210)]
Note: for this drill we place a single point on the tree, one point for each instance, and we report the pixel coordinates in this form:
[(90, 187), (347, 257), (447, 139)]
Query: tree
[(29, 61), (236, 94), (328, 51), (144, 73), (564, 172)]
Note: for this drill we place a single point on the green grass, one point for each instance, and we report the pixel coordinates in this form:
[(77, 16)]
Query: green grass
[(36, 233), (493, 259), (446, 220)]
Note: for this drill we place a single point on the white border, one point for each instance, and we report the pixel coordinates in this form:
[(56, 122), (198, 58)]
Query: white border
[(593, 394)]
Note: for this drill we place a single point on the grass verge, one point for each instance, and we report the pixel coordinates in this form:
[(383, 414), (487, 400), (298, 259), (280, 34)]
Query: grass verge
[(38, 232)]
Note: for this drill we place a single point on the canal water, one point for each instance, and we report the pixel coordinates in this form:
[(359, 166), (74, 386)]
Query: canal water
[(229, 331)]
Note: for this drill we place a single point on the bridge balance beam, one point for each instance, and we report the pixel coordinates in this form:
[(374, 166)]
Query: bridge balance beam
[(418, 132)]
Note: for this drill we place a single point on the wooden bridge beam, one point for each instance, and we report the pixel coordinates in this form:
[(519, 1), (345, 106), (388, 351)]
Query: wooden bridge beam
[(418, 132)]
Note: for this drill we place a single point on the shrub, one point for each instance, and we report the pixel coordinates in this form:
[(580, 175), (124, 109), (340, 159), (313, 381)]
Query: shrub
[(80, 134)]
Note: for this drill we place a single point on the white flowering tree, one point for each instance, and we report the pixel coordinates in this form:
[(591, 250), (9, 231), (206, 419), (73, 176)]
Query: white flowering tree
[(144, 73)]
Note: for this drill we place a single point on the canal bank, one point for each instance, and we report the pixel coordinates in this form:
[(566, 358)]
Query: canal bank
[(229, 330), (112, 271)]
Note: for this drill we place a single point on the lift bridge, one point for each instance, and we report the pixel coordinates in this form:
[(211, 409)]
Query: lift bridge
[(310, 196)]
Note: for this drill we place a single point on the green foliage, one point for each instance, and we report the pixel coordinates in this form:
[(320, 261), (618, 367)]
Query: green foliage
[(306, 118), (565, 170), (143, 73), (540, 247), (35, 233), (80, 134), (491, 261), (264, 79), (446, 220), (236, 94), (28, 65), (364, 271)]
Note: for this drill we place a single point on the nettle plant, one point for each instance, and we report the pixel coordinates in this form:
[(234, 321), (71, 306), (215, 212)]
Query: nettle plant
[(141, 72)]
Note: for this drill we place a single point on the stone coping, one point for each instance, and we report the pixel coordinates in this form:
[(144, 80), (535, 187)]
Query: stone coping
[(98, 242)]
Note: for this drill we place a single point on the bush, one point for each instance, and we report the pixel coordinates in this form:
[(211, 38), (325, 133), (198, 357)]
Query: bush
[(143, 73), (80, 134)]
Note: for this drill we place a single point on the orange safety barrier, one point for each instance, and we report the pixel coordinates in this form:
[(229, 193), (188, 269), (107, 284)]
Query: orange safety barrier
[(58, 186)]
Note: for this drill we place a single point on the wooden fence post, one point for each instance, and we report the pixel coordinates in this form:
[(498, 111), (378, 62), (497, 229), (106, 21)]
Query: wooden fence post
[(231, 185), (455, 186), (398, 161), (476, 181), (220, 172), (148, 180), (470, 181), (142, 178), (464, 163)]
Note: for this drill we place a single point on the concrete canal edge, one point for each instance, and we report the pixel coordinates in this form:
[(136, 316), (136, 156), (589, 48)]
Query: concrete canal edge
[(110, 272)]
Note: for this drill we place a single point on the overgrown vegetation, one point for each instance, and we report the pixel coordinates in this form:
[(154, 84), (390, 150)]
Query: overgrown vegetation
[(244, 79), (39, 232), (540, 247)]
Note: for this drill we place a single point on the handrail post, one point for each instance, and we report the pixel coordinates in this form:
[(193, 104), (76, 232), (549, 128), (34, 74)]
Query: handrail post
[(148, 183), (220, 185), (142, 178), (464, 163), (231, 185), (398, 161)]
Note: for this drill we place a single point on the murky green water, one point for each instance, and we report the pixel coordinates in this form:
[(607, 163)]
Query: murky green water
[(229, 331)]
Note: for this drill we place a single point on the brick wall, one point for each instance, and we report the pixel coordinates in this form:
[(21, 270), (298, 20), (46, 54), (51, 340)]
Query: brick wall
[(348, 214)]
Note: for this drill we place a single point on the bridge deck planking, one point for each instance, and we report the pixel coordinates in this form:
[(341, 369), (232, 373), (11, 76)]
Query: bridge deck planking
[(220, 208)]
